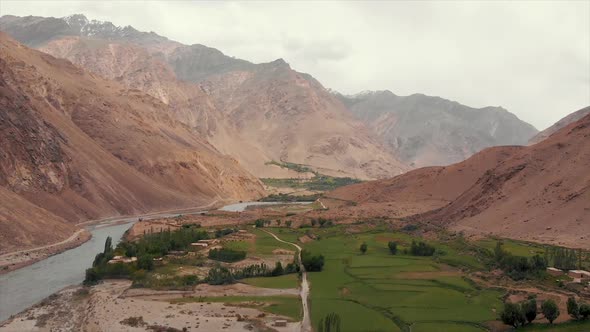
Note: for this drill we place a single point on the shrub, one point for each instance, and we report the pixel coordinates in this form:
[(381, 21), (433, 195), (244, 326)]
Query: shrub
[(572, 308), (363, 248), (550, 310), (392, 247), (512, 315), (278, 270), (421, 249), (584, 310), (220, 275)]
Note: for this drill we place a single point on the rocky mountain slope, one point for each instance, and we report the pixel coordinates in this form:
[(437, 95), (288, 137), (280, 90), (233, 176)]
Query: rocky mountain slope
[(425, 131), (573, 117), (79, 147), (256, 113), (539, 193)]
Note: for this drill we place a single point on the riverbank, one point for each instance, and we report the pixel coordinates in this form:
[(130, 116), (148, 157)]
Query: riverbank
[(106, 308), (15, 260)]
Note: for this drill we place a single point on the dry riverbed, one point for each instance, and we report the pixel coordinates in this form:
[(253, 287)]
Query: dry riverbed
[(112, 306)]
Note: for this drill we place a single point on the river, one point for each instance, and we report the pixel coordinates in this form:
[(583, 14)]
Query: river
[(22, 288)]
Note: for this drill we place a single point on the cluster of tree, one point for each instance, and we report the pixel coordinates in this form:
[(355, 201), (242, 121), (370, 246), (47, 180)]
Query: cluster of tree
[(577, 311), (220, 275), (330, 323), (565, 258), (145, 249), (290, 198), (421, 249), (226, 255), (323, 222), (312, 263), (519, 267), (259, 223), (519, 314)]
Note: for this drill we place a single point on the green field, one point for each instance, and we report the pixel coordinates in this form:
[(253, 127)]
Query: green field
[(583, 326), (288, 306), (284, 281), (382, 292)]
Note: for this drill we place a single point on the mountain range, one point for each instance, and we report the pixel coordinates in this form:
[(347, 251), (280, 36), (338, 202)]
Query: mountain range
[(102, 120)]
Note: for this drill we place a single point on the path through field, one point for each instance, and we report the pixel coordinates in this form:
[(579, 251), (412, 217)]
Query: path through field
[(306, 322)]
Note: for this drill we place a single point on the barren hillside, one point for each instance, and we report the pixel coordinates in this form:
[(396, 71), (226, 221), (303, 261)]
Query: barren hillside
[(82, 147), (256, 113), (560, 124), (423, 130)]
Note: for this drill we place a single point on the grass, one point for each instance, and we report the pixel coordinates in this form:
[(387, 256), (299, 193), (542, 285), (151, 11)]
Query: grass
[(318, 183), (288, 306), (581, 326), (284, 281), (266, 243), (382, 292)]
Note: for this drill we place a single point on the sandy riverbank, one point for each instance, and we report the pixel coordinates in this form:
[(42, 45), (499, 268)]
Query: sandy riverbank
[(19, 259), (106, 308)]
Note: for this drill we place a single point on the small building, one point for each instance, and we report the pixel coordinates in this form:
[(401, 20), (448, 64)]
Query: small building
[(579, 274), (280, 323), (177, 252), (198, 245), (554, 271), (209, 241), (121, 259)]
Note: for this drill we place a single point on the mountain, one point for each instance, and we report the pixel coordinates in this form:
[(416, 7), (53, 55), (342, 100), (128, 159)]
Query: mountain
[(257, 113), (423, 130), (79, 147), (537, 193), (573, 117)]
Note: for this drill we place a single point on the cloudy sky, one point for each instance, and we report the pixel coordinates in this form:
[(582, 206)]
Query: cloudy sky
[(532, 58)]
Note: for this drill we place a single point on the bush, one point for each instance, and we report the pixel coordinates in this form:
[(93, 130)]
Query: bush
[(363, 248), (421, 249), (392, 247), (512, 315), (550, 310), (259, 223), (584, 310), (572, 308), (226, 255)]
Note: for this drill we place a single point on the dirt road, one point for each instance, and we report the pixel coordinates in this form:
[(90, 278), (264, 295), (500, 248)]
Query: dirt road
[(306, 322)]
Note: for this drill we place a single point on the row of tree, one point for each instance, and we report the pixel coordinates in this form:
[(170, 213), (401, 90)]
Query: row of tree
[(226, 255), (519, 314)]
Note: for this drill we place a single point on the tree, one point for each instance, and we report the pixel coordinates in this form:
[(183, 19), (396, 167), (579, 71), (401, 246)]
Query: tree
[(331, 323), (363, 248), (289, 222), (499, 253), (145, 262), (529, 309), (312, 262), (278, 270), (259, 223), (92, 277), (584, 310), (572, 308), (108, 245), (550, 310), (512, 315), (392, 247)]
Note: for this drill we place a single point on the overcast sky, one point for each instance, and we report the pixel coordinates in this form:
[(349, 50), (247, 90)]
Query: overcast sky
[(532, 58)]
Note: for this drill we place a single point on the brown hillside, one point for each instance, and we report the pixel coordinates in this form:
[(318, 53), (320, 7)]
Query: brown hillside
[(82, 147), (539, 193), (573, 117)]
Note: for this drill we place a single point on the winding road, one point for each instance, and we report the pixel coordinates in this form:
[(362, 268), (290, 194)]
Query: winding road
[(306, 322)]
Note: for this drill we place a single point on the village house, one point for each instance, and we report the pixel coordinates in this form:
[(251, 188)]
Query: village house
[(121, 259), (579, 275), (199, 246), (554, 271)]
